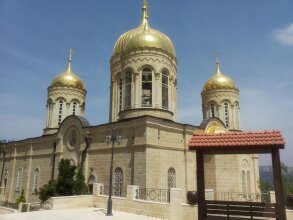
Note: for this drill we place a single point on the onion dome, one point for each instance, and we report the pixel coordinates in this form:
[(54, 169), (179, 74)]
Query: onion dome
[(219, 81), (143, 37), (68, 78)]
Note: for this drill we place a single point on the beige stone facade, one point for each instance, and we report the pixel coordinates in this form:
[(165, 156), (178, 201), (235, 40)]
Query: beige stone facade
[(150, 147), (143, 104)]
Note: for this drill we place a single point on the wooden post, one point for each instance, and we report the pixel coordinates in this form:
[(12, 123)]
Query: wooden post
[(280, 203), (200, 185)]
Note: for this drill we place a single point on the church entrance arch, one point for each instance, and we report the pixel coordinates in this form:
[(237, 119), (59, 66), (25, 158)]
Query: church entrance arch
[(91, 181)]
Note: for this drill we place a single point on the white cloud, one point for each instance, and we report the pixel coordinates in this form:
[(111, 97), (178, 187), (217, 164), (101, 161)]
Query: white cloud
[(284, 35)]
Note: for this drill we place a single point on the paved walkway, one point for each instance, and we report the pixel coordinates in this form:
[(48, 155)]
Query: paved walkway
[(75, 214)]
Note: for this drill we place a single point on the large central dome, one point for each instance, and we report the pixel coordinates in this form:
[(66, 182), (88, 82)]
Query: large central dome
[(143, 37)]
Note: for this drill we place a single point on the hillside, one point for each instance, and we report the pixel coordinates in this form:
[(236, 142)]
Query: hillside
[(266, 173)]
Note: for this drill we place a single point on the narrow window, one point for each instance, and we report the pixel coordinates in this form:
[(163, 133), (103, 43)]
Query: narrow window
[(19, 179), (248, 182), (74, 108), (127, 97), (146, 96), (36, 180), (120, 94), (244, 184), (60, 112), (165, 102), (118, 184), (171, 180), (212, 110), (226, 114), (91, 181)]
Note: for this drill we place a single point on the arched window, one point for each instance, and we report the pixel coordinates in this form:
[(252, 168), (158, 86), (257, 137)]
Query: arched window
[(226, 114), (243, 176), (36, 180), (236, 110), (127, 94), (91, 181), (146, 88), (19, 179), (118, 182), (212, 110), (74, 108), (248, 182), (165, 97), (171, 178), (120, 94), (60, 111)]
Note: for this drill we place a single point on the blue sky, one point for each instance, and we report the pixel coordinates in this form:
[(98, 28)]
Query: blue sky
[(254, 39)]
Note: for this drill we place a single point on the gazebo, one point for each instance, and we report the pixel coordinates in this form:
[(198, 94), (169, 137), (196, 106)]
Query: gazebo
[(263, 142)]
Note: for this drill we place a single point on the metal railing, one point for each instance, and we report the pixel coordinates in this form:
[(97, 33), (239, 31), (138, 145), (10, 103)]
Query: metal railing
[(240, 196), (28, 207), (9, 204), (151, 194)]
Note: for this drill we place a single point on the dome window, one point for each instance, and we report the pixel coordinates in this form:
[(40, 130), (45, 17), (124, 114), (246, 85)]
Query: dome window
[(165, 96), (226, 114), (60, 112), (146, 87), (212, 110), (74, 108), (120, 94), (127, 97)]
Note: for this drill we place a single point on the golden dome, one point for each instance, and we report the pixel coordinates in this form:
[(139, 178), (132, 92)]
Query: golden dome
[(143, 37), (68, 78), (219, 81)]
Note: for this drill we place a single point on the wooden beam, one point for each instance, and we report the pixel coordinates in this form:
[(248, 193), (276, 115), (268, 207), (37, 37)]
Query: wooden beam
[(280, 203), (200, 185)]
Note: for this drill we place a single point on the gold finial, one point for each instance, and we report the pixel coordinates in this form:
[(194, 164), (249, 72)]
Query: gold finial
[(70, 58), (145, 16), (218, 71)]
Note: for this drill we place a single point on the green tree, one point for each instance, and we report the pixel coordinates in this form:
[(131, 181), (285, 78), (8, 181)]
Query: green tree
[(47, 191), (80, 188), (65, 181), (69, 182), (21, 197), (287, 181), (265, 186)]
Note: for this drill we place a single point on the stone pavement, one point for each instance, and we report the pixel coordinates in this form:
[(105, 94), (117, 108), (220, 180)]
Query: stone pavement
[(75, 214)]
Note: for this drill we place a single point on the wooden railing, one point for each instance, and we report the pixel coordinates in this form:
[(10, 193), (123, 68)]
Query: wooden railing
[(236, 208)]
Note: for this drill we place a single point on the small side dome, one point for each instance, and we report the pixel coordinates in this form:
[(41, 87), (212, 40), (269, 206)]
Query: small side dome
[(143, 37), (219, 81), (68, 78)]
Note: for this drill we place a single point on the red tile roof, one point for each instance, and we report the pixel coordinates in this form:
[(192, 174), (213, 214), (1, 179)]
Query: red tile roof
[(237, 139)]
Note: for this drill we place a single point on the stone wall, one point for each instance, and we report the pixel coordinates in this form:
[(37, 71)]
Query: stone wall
[(174, 210), (71, 202)]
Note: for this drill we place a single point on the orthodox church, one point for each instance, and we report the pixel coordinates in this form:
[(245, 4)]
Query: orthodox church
[(153, 152)]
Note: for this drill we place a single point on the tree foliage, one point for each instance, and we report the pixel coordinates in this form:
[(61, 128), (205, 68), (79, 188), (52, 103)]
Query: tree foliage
[(265, 186), (287, 181), (47, 191), (80, 188), (21, 197), (65, 180), (69, 182)]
